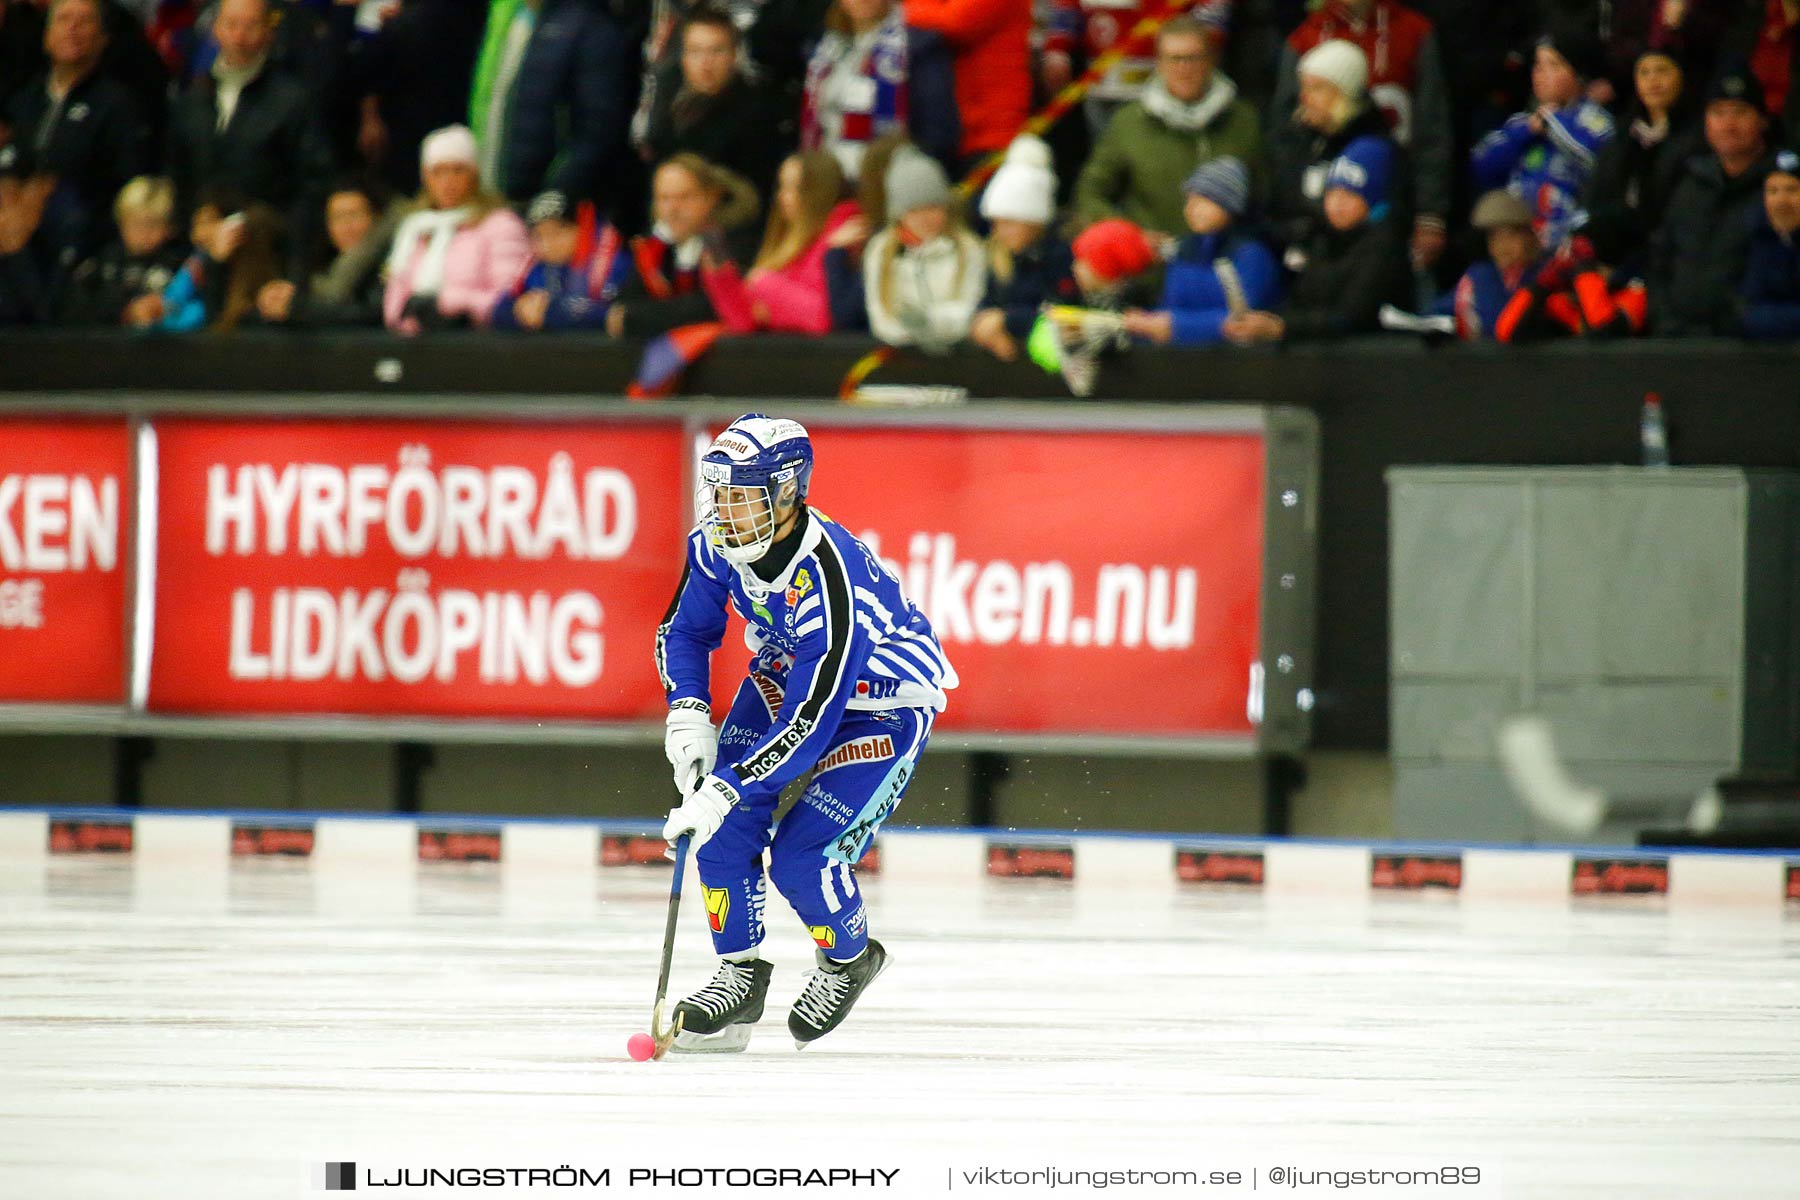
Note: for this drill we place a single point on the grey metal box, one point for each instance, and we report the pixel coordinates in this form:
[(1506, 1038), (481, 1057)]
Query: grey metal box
[(1650, 614)]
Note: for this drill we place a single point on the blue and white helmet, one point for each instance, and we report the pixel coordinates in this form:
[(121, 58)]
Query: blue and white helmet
[(759, 464)]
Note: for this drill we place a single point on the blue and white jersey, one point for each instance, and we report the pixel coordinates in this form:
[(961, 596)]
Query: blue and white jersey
[(835, 622), (1547, 170)]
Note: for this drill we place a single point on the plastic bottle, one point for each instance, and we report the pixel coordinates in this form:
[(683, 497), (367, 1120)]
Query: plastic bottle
[(1653, 434)]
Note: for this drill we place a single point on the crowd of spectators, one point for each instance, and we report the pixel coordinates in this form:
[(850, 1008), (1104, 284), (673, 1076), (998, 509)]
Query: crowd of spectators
[(1259, 171)]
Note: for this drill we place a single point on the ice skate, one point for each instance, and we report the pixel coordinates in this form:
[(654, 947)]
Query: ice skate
[(718, 1018), (830, 991)]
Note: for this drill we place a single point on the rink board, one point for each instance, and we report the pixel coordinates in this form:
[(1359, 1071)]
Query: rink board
[(380, 846)]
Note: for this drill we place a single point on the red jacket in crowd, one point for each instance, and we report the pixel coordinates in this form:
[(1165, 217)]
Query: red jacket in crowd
[(1391, 36), (991, 41)]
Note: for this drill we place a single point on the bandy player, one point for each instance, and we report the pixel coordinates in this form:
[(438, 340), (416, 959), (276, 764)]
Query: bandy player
[(846, 682)]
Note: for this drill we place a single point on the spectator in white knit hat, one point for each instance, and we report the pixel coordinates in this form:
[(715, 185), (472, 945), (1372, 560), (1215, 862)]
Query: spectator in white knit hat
[(459, 250), (1333, 111), (1028, 265)]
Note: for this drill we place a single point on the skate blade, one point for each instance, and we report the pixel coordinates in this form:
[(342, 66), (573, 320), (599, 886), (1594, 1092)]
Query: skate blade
[(730, 1040)]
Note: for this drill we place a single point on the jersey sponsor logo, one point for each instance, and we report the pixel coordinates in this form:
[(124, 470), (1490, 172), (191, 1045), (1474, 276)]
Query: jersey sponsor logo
[(772, 758), (869, 749), (718, 907), (857, 921), (757, 607), (851, 843), (817, 797), (824, 935), (877, 689), (803, 583), (711, 472), (735, 447), (770, 692)]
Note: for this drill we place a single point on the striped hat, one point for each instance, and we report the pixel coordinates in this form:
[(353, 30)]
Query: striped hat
[(1225, 181)]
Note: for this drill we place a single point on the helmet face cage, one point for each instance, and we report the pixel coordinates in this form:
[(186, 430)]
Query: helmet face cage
[(740, 518), (754, 475)]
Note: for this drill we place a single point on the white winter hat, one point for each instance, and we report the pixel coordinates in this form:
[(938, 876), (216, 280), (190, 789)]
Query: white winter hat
[(1341, 64), (451, 144), (1024, 188)]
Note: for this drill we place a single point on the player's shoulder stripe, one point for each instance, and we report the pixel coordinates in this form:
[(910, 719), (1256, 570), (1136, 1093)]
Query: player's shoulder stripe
[(828, 558), (706, 557)]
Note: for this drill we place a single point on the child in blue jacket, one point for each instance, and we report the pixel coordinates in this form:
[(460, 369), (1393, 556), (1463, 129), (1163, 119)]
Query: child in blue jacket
[(1222, 268), (1545, 156), (561, 287)]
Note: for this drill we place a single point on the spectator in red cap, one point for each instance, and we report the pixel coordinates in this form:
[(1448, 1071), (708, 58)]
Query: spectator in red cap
[(1112, 261)]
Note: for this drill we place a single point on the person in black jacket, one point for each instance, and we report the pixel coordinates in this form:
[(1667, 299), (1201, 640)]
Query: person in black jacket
[(81, 128), (410, 77), (141, 262), (711, 108), (1697, 254), (1636, 171), (250, 128), (21, 50), (1355, 263), (1334, 110), (569, 113), (25, 297), (345, 286), (1769, 295)]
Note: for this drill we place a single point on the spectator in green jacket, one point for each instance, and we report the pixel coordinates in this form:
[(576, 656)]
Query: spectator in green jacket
[(1189, 114)]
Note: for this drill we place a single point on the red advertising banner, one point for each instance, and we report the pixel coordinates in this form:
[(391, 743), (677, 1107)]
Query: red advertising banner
[(1082, 582), (414, 568), (65, 517)]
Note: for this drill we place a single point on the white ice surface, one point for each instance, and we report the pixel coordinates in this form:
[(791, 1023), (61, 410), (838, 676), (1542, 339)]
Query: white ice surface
[(193, 1033)]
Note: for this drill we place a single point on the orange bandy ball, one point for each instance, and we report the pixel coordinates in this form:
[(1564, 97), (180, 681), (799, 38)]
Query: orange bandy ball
[(641, 1047)]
